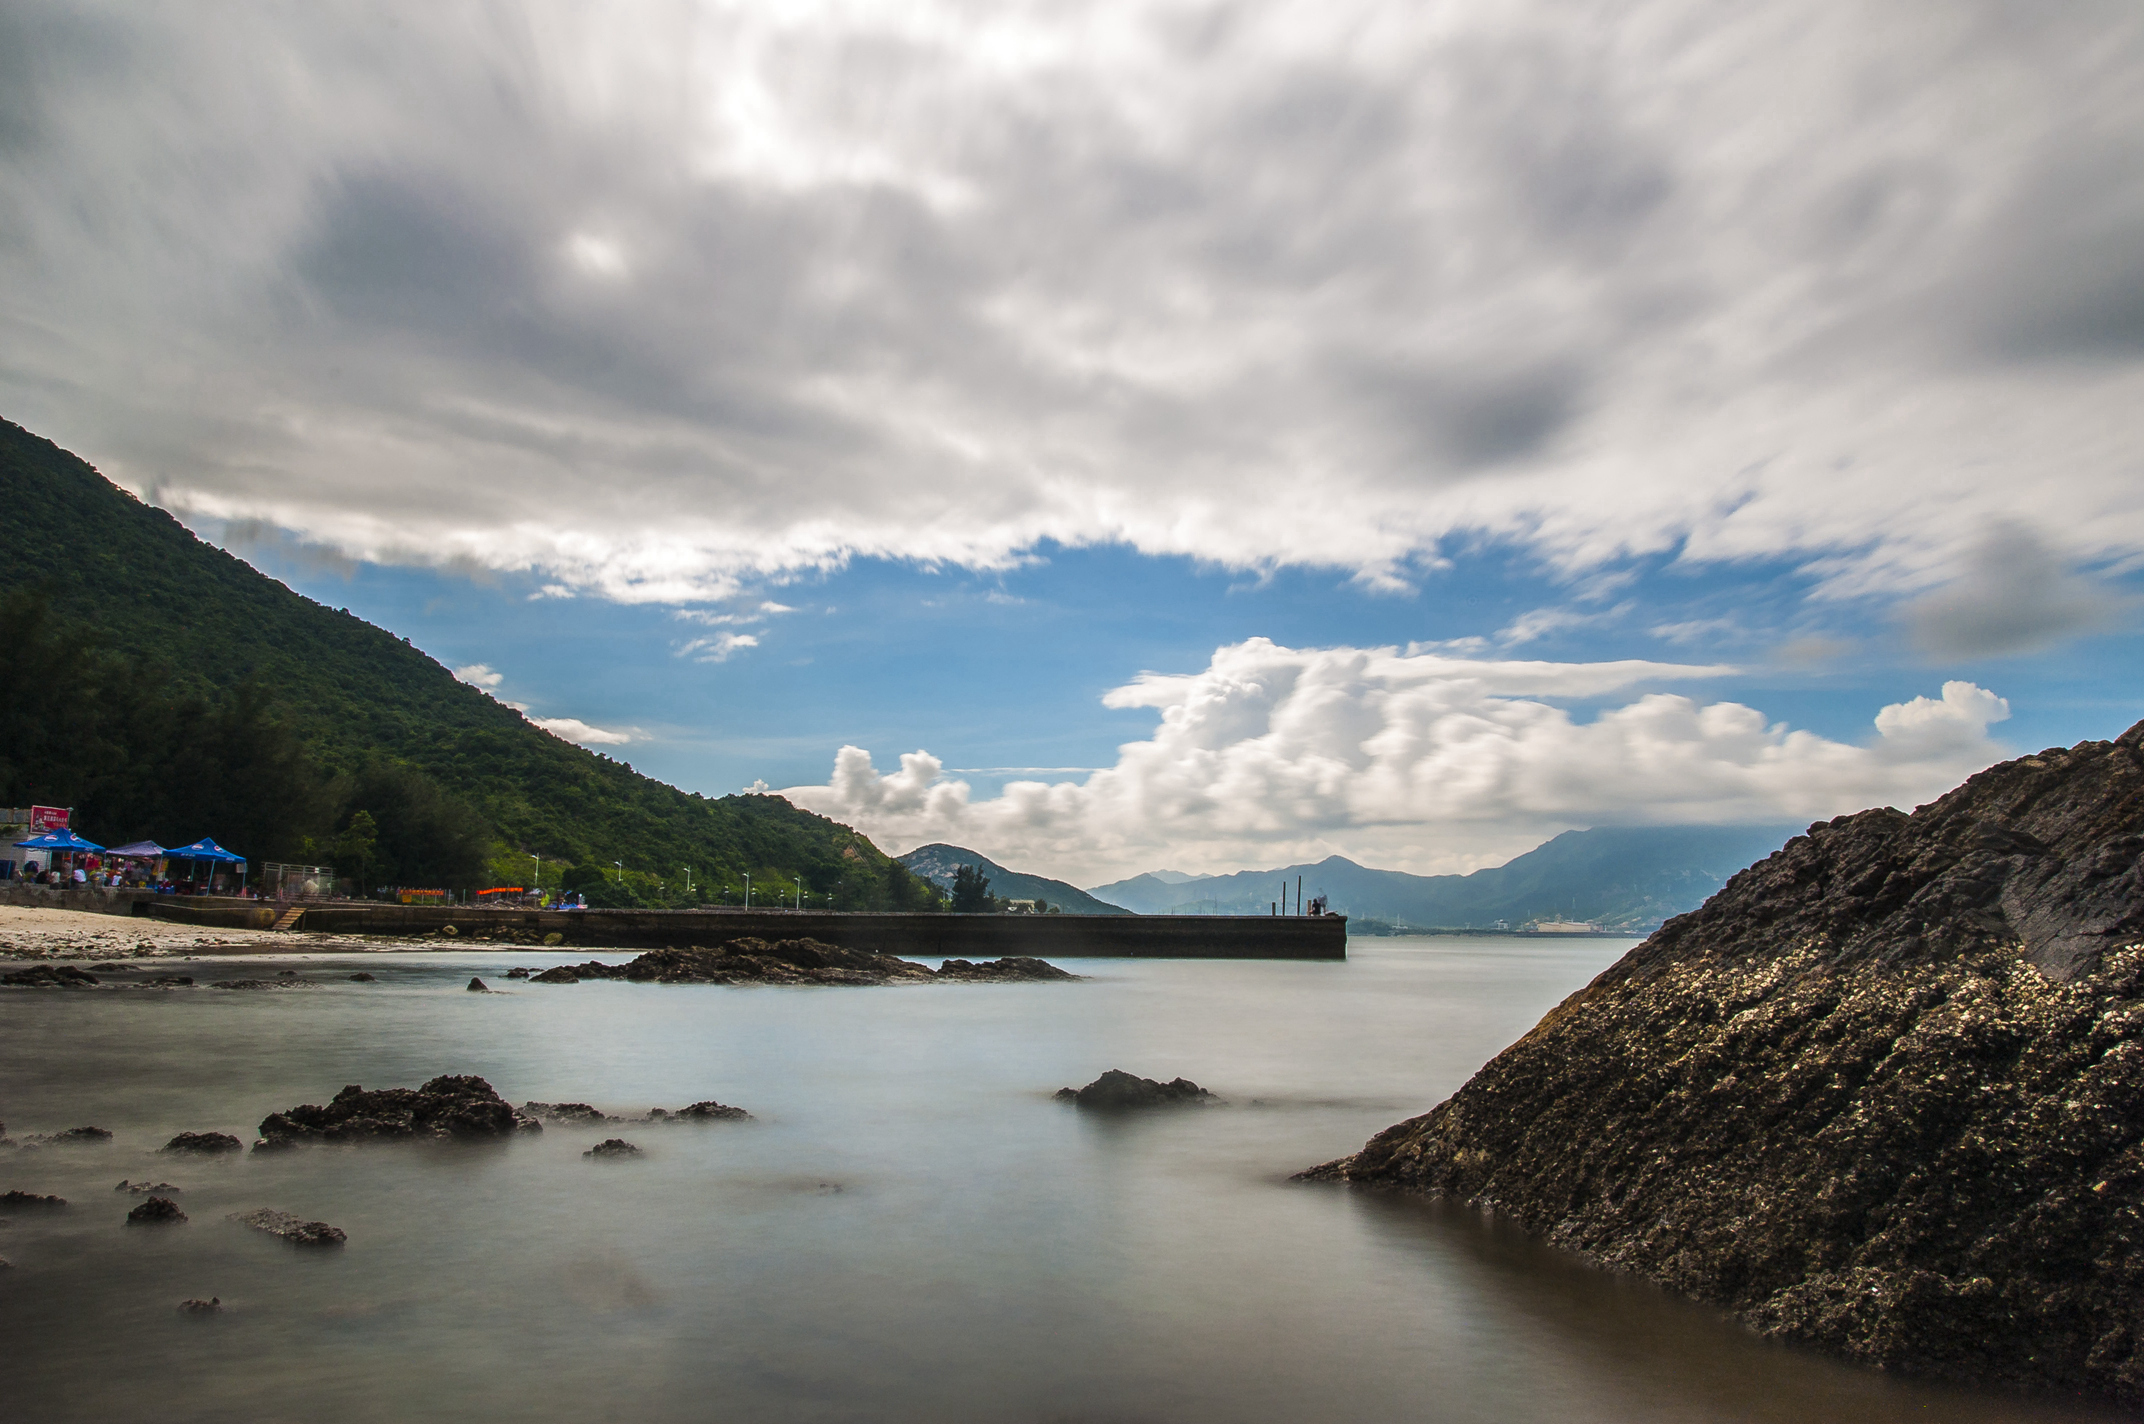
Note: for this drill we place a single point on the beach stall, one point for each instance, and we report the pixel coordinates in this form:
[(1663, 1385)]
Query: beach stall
[(141, 859), (205, 852), (58, 843)]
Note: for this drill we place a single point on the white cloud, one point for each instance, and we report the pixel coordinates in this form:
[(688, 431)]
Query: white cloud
[(573, 729), (700, 294), (1413, 761), (719, 648), (480, 675)]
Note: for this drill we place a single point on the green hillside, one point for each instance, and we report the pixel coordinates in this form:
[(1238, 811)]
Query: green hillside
[(169, 690)]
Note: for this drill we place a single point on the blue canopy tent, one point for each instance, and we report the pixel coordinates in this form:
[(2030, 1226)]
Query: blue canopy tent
[(206, 849), (59, 842)]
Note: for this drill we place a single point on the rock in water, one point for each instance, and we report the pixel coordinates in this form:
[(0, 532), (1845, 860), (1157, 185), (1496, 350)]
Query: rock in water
[(72, 1137), (156, 1211), (208, 1142), (145, 1188), (212, 1306), (26, 1201), (519, 971), (1884, 1092), (459, 1108), (361, 977), (477, 986), (560, 975), (578, 1114), (612, 1147), (290, 1228), (1012, 967), (1119, 1089)]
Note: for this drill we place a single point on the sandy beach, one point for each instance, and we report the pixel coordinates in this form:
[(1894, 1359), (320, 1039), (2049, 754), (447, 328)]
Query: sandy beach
[(32, 932)]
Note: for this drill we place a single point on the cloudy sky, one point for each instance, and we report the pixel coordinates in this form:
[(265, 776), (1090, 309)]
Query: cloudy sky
[(1123, 435)]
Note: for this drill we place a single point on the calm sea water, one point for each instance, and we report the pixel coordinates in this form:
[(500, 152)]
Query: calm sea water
[(912, 1230)]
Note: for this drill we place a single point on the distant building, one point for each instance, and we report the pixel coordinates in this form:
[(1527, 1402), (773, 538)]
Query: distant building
[(1563, 927)]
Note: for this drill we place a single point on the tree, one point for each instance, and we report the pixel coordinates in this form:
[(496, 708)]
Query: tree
[(971, 892), (356, 846)]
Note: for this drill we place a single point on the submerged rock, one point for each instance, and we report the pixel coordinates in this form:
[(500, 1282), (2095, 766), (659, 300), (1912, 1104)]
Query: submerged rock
[(26, 1201), (1012, 967), (276, 983), (1119, 1089), (212, 1306), (575, 1113), (290, 1228), (361, 977), (519, 971), (204, 1142), (142, 1188), (47, 976), (168, 981), (156, 1211), (709, 1111), (612, 1147), (1883, 1093), (461, 1109), (72, 1137)]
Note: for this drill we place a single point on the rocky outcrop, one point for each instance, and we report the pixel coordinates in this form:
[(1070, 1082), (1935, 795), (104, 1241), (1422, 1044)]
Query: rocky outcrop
[(295, 1230), (1117, 1090), (156, 1211), (461, 1109), (47, 976), (1012, 968), (26, 1201), (612, 1147), (208, 1143), (1883, 1093), (144, 1188), (751, 960), (478, 986)]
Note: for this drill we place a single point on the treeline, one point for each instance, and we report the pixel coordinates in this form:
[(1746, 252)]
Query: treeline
[(141, 755)]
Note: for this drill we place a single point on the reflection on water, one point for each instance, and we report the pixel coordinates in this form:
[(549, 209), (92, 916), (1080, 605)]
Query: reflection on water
[(912, 1230)]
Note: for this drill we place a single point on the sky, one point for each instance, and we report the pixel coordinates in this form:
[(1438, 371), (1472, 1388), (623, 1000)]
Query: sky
[(1130, 435)]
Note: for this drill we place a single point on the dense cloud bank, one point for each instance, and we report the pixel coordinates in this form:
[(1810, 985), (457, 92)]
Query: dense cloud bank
[(651, 299), (1413, 761)]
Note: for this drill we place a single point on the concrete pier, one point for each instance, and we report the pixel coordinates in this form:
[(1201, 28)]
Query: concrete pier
[(924, 936)]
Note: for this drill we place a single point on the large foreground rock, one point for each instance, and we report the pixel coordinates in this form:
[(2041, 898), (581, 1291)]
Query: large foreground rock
[(1883, 1093), (461, 1109), (750, 960)]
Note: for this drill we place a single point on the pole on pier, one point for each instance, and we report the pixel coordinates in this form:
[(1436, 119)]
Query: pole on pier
[(1299, 894)]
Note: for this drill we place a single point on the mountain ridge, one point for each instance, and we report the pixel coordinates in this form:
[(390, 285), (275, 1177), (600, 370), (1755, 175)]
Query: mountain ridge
[(1620, 877), (937, 863)]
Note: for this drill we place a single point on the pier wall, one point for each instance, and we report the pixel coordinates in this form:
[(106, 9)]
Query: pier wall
[(925, 936)]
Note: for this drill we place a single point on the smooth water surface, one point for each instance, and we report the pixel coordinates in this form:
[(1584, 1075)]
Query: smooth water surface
[(911, 1230)]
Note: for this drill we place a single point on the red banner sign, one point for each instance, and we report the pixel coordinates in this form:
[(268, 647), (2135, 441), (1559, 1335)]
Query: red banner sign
[(48, 818)]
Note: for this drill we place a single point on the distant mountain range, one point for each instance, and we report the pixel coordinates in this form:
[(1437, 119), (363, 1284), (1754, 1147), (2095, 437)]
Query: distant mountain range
[(937, 864), (1622, 878)]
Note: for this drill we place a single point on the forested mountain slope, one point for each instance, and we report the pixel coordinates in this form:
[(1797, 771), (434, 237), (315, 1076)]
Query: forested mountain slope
[(168, 689)]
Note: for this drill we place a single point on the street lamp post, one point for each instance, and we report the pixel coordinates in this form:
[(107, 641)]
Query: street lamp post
[(748, 889), (800, 892)]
